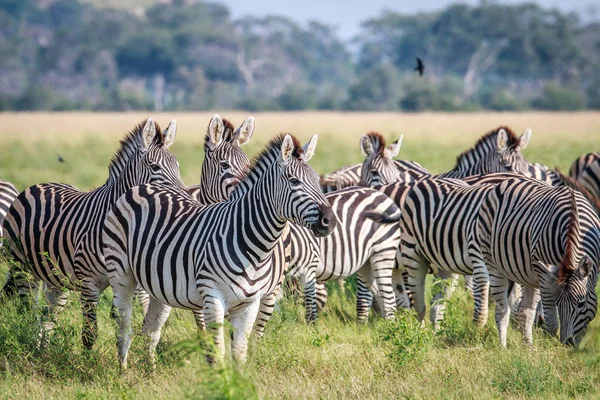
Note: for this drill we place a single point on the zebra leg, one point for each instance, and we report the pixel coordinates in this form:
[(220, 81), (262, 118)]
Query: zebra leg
[(382, 270), (469, 285), (199, 318), (308, 280), (550, 313), (400, 292), (480, 280), (90, 294), (416, 285), (153, 322), (57, 300), (443, 286), (214, 316), (363, 299), (143, 298), (267, 305), (499, 288), (123, 292), (321, 295), (526, 316), (515, 292), (242, 320)]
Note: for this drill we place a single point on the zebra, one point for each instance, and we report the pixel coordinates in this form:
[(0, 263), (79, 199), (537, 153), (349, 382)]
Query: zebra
[(365, 241), (379, 166), (342, 178), (548, 240), (216, 257), (224, 160), (8, 193), (439, 220), (54, 229), (586, 170)]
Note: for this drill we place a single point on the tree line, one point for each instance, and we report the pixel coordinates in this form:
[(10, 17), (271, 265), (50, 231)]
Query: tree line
[(192, 55)]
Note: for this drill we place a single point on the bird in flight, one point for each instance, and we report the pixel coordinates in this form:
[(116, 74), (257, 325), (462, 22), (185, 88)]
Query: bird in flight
[(420, 66), (59, 157)]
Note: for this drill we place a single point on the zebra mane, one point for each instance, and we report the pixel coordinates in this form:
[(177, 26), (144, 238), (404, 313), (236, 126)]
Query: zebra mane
[(488, 142), (228, 135), (569, 261), (131, 143), (573, 184), (378, 142), (267, 157)]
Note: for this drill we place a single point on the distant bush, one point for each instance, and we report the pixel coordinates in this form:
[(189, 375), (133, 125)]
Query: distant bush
[(558, 98)]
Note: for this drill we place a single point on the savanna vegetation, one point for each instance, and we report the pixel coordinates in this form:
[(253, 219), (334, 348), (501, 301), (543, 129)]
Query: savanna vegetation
[(192, 55), (335, 357)]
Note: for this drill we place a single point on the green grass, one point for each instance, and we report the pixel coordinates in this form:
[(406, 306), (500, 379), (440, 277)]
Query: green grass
[(334, 358)]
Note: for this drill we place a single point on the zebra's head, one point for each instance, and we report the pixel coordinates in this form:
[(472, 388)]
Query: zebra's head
[(378, 167), (224, 160), (144, 157), (569, 282), (497, 151), (158, 164), (298, 191)]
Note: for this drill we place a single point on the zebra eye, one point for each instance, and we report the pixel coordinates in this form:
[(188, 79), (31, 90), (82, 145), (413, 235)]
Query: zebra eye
[(225, 165), (295, 182), (155, 167)]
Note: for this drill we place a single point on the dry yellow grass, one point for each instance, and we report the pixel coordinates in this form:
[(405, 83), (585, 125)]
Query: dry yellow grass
[(441, 127)]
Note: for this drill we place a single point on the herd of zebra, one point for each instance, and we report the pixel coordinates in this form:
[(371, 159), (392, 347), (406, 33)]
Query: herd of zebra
[(222, 248)]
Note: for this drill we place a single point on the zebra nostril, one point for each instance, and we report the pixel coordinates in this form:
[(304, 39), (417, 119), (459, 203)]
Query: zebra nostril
[(325, 221)]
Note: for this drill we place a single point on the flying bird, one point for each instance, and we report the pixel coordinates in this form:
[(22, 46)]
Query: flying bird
[(420, 66), (60, 159)]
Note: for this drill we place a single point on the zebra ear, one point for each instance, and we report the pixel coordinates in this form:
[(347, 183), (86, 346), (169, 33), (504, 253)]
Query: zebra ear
[(149, 132), (216, 129), (502, 138), (366, 146), (524, 139), (309, 148), (169, 134), (245, 131), (393, 149), (287, 148), (585, 266)]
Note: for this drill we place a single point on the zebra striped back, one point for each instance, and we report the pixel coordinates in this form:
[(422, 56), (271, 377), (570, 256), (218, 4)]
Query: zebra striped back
[(8, 193), (379, 167), (224, 160), (586, 170), (548, 238), (55, 229), (215, 257), (342, 178)]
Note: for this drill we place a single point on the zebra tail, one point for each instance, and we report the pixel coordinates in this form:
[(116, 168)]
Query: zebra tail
[(384, 217)]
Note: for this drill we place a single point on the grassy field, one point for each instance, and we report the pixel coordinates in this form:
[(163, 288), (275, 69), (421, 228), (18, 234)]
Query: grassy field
[(334, 358)]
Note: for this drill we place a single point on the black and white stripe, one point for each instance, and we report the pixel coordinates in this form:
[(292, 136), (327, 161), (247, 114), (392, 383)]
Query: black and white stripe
[(54, 230), (364, 241), (586, 171), (216, 257), (548, 240), (8, 193), (224, 160)]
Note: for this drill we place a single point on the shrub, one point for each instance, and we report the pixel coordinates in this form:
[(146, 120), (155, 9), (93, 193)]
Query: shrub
[(404, 339)]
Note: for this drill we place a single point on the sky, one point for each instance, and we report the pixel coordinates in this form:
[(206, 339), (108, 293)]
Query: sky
[(346, 15)]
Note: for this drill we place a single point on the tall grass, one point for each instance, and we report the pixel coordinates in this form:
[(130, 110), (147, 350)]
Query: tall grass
[(334, 358)]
